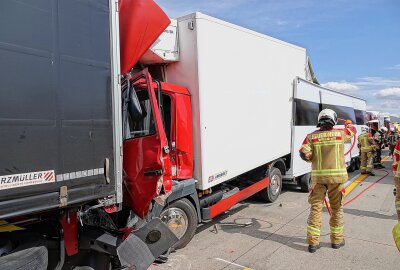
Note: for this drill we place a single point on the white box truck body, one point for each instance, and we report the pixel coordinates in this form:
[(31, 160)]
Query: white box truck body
[(241, 95)]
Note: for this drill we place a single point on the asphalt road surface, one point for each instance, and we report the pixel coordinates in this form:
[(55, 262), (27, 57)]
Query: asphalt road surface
[(276, 237)]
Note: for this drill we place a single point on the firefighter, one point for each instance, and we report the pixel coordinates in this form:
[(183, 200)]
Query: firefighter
[(367, 147), (396, 172), (379, 141), (392, 140), (324, 148)]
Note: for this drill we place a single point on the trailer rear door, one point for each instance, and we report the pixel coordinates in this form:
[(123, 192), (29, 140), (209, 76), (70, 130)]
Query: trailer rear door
[(306, 107)]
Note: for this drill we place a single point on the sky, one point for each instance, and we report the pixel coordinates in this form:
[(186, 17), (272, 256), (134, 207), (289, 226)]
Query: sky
[(354, 45)]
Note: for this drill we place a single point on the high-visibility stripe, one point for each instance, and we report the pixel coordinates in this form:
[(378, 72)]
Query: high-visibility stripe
[(363, 168), (366, 148), (319, 157), (330, 170), (397, 151), (336, 230), (365, 143), (306, 148), (313, 231), (328, 143), (329, 174), (337, 157)]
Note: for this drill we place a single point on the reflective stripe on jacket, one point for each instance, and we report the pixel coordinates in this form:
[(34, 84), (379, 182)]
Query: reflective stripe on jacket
[(325, 150), (393, 138), (396, 154), (366, 142)]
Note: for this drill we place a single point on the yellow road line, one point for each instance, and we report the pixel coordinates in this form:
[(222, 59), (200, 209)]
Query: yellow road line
[(360, 179), (355, 183)]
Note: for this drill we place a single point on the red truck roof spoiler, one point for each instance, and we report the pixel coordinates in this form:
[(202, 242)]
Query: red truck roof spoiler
[(140, 23)]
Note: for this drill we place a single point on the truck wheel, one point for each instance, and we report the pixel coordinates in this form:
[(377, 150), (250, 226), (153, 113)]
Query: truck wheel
[(271, 193), (357, 163), (29, 253), (352, 166), (305, 182), (181, 218)]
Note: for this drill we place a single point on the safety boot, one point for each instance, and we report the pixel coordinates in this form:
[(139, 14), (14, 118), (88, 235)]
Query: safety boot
[(313, 248), (337, 246), (371, 174)]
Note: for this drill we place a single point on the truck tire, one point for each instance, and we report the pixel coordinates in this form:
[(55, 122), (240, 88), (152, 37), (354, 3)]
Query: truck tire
[(181, 218), (29, 253), (272, 192), (357, 163), (352, 166), (305, 182)]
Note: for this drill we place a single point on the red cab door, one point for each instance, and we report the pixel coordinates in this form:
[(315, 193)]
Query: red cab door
[(146, 158)]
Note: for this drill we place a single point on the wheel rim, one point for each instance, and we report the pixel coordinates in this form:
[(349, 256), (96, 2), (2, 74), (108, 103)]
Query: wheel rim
[(275, 185), (176, 220)]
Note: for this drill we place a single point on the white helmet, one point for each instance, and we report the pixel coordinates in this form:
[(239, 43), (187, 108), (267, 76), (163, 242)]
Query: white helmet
[(384, 129), (364, 129), (327, 116)]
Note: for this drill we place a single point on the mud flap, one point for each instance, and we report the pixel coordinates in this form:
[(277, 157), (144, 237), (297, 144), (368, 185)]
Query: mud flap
[(396, 235), (145, 245)]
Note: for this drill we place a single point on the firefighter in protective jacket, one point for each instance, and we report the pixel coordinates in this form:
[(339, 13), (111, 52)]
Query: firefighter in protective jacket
[(396, 172), (392, 140), (366, 145), (324, 148)]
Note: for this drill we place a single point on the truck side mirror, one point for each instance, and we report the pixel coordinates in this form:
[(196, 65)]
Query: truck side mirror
[(134, 107)]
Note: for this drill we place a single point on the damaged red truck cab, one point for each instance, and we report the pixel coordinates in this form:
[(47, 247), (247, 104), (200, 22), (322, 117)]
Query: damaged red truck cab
[(158, 147)]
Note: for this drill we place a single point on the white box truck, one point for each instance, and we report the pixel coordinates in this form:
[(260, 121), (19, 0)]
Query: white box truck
[(309, 99), (225, 97), (240, 82)]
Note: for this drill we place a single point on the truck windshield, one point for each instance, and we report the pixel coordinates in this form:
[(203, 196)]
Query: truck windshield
[(144, 126)]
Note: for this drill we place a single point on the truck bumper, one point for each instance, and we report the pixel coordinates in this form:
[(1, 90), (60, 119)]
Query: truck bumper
[(139, 249)]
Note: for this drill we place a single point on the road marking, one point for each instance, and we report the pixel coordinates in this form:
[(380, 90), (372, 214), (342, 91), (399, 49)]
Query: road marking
[(360, 179), (350, 187), (355, 183), (232, 263)]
